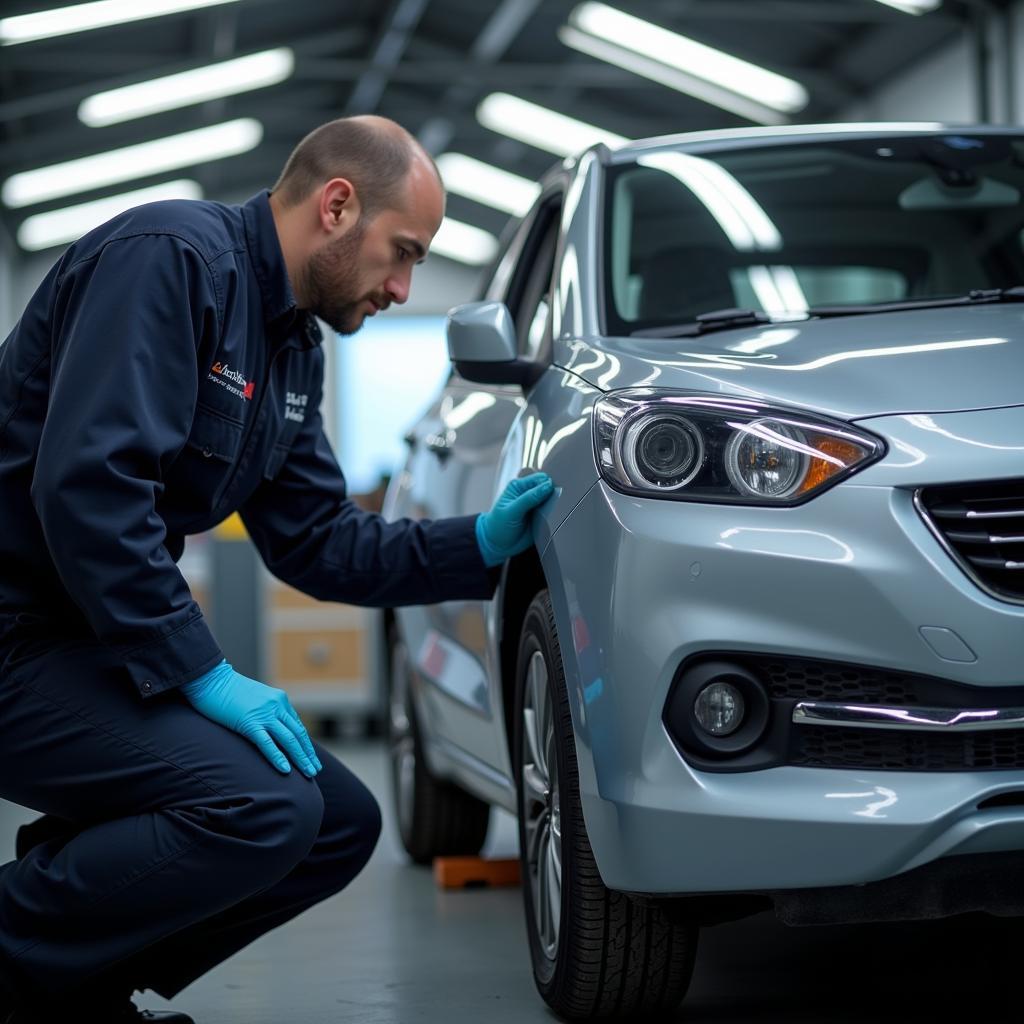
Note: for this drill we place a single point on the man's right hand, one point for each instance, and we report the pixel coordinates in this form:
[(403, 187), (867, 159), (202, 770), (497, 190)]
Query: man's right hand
[(260, 713)]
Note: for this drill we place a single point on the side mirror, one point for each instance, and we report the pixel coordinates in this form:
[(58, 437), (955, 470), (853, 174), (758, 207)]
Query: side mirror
[(482, 345)]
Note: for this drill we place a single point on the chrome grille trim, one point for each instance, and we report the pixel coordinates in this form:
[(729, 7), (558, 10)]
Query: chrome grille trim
[(913, 719), (971, 514), (965, 564)]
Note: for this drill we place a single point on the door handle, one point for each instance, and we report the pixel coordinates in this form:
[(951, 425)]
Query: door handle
[(440, 444)]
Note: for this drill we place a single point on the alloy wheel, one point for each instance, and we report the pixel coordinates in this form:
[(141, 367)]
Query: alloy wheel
[(541, 808)]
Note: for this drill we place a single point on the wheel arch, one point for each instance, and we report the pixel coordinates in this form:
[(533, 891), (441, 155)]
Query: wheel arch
[(524, 578)]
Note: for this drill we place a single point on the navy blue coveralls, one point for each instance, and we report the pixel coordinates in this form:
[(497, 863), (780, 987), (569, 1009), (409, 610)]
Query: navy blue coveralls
[(160, 379)]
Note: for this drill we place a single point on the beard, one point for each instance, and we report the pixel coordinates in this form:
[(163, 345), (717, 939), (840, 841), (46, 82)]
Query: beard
[(331, 282)]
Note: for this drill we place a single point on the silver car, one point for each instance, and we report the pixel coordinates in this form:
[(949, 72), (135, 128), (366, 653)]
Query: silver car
[(768, 649)]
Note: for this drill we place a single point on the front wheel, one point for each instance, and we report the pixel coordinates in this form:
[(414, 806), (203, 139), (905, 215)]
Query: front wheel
[(595, 952)]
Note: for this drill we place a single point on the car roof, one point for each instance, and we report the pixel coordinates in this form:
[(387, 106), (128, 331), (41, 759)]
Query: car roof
[(731, 138)]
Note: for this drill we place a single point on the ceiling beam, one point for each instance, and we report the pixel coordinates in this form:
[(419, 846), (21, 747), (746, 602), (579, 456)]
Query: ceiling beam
[(431, 72), (387, 55), (497, 35), (80, 61)]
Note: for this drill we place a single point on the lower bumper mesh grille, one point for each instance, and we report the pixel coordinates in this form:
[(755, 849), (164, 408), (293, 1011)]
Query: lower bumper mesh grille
[(821, 680), (829, 747)]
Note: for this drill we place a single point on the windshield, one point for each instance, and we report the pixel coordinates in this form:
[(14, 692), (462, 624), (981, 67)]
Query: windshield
[(784, 229)]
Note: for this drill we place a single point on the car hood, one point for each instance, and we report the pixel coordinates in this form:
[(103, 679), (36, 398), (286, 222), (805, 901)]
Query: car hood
[(921, 361)]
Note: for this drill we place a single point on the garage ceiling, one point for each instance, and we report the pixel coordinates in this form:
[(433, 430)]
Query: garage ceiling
[(428, 64)]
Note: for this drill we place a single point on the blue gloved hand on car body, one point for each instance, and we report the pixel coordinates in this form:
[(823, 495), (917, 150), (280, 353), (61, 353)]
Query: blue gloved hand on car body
[(505, 530), (260, 713)]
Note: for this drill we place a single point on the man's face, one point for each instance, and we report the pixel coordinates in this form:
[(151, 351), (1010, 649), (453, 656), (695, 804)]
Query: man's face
[(370, 266)]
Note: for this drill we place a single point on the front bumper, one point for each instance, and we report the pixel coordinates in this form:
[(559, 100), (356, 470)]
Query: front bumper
[(851, 576)]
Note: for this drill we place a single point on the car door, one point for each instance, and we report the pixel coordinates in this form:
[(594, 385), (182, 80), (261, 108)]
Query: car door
[(453, 469)]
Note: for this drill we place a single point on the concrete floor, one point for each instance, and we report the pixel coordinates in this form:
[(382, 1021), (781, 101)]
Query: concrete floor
[(393, 949)]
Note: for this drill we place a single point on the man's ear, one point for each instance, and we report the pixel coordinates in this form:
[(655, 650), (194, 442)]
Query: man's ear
[(339, 206)]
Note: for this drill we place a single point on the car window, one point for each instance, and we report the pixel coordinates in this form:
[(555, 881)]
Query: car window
[(827, 286), (784, 228), (529, 293)]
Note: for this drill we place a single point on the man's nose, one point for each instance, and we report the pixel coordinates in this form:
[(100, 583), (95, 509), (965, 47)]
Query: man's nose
[(397, 287)]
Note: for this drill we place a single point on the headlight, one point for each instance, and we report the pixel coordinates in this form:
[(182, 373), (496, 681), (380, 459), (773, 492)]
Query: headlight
[(695, 447), (665, 451)]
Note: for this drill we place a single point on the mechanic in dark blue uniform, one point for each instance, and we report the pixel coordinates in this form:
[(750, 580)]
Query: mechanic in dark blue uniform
[(166, 373)]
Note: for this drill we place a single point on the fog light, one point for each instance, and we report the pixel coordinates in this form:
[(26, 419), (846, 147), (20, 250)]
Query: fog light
[(719, 709)]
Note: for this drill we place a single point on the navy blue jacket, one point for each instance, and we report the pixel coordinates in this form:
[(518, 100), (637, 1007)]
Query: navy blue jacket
[(160, 379)]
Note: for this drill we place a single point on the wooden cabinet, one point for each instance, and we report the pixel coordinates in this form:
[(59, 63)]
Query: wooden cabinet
[(316, 650)]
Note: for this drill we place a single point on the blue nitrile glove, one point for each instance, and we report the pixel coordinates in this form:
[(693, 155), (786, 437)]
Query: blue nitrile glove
[(260, 713), (505, 530)]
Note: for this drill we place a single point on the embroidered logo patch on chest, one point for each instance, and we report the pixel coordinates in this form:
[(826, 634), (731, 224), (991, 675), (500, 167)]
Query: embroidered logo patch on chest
[(231, 380)]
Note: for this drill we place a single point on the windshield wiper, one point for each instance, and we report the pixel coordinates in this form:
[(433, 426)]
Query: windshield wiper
[(726, 319), (977, 296), (716, 320)]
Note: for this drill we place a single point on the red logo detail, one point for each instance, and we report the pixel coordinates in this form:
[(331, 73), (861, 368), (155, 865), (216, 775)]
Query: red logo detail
[(247, 393)]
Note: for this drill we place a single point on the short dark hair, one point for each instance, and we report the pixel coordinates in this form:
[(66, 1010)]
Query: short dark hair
[(376, 160)]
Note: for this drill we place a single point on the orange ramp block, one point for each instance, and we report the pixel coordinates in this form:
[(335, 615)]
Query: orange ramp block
[(474, 872)]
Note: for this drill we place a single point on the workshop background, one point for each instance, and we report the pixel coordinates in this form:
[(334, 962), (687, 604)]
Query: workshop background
[(88, 127)]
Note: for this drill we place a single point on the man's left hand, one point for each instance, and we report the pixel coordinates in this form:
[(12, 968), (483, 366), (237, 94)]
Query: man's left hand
[(505, 530)]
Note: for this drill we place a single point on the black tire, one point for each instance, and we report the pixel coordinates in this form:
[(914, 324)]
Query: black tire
[(609, 955), (435, 818)]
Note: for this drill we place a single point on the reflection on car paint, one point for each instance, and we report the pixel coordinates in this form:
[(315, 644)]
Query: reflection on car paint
[(569, 306), (873, 809), (570, 380), (455, 416), (767, 339), (837, 550), (650, 378), (614, 368), (916, 456), (536, 450), (927, 423), (894, 350), (454, 671)]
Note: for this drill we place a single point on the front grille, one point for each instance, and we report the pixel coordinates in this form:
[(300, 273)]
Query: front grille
[(983, 526), (832, 747)]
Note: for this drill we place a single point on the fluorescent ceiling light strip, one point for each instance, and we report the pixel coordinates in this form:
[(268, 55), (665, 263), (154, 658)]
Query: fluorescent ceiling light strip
[(486, 184), (538, 126), (62, 21), (464, 243), (687, 55), (738, 213), (913, 6), (673, 78), (57, 227), (254, 71), (195, 147)]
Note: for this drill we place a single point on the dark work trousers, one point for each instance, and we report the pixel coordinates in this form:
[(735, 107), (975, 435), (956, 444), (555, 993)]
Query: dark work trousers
[(168, 841)]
